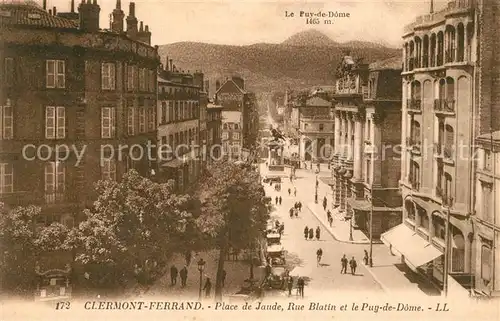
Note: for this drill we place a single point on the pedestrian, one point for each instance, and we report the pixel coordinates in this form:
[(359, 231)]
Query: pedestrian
[(290, 285), (183, 274), (291, 212), (330, 220), (319, 254), (324, 203), (188, 257), (343, 262), (295, 191), (300, 286), (271, 183), (365, 258), (318, 231), (311, 233), (300, 206), (276, 199), (289, 192), (290, 178), (280, 199), (306, 232), (296, 213), (267, 164), (328, 215), (207, 287), (173, 275), (223, 277), (353, 265)]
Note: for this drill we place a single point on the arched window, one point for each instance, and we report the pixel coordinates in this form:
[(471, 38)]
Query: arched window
[(449, 104), (410, 210), (447, 191), (426, 52), (418, 52), (412, 55), (414, 177), (224, 126), (433, 49), (415, 133), (461, 42), (486, 264), (458, 251), (440, 48), (448, 141), (450, 48)]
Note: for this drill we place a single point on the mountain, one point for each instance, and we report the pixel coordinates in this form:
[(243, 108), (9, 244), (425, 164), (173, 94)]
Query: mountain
[(310, 38), (272, 67)]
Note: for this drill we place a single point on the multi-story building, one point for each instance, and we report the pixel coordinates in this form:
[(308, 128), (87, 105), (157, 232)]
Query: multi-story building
[(316, 128), (214, 131), (179, 117), (65, 82), (240, 120), (366, 166), (438, 130), (487, 218)]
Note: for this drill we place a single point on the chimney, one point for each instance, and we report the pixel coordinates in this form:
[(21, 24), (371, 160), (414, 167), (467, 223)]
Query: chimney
[(432, 6), (132, 22), (44, 4), (54, 11), (147, 35), (72, 5), (141, 27), (171, 65), (89, 16), (118, 16), (50, 12)]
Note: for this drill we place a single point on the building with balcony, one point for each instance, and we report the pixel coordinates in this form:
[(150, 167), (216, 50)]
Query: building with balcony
[(438, 129), (366, 166), (179, 125), (240, 119), (66, 82), (486, 218), (316, 127)]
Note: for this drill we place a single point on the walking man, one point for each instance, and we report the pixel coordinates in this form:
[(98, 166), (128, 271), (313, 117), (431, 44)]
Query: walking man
[(207, 287), (183, 274), (300, 286), (306, 232), (223, 278), (289, 191), (295, 191), (300, 206), (280, 199), (353, 264), (311, 233), (188, 257), (343, 263), (324, 203), (173, 275), (290, 285), (318, 231)]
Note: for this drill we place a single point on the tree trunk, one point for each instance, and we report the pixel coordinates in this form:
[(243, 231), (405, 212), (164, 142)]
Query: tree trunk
[(220, 269)]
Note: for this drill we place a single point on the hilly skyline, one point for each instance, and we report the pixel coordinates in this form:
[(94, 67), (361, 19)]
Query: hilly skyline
[(308, 58)]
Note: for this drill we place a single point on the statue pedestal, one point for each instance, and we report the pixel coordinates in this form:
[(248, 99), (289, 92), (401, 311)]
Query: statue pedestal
[(275, 161)]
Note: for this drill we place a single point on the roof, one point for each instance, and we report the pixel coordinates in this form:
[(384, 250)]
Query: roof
[(394, 63), (230, 81), (28, 14), (318, 102)]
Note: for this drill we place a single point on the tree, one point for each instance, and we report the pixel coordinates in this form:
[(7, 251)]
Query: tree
[(234, 210), (132, 229)]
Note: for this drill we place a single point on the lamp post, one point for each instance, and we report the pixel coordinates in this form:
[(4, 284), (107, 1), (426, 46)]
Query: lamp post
[(201, 266), (446, 201), (349, 217), (370, 258), (316, 191)]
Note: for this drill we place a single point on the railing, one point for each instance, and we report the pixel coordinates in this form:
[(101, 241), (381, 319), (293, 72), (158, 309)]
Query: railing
[(450, 55), (414, 104), (444, 105), (57, 197), (413, 143), (425, 63)]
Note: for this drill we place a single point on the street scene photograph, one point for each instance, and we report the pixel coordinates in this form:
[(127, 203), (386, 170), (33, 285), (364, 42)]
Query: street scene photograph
[(276, 157)]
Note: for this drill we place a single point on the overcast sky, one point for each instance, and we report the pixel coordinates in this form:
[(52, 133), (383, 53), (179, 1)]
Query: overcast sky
[(243, 22)]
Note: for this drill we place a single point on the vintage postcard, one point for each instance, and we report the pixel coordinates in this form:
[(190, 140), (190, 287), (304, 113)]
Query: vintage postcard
[(249, 159)]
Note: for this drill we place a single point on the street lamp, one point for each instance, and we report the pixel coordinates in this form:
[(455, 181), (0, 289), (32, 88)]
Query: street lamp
[(447, 202), (349, 217), (316, 191), (370, 259), (201, 266)]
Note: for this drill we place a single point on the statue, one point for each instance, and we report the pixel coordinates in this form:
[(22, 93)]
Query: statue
[(277, 135)]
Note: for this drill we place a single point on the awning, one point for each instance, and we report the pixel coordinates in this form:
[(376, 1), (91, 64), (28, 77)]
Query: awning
[(429, 206), (359, 204), (408, 243)]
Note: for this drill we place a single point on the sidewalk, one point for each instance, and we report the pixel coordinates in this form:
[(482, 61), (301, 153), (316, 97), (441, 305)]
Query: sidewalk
[(237, 272), (340, 229)]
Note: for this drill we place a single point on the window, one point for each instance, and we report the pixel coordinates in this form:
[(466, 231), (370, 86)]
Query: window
[(6, 121), (130, 78), (236, 126), (151, 119), (8, 69), (55, 176), (410, 210), (305, 126), (170, 116), (142, 79), (108, 76), (152, 81), (224, 126), (108, 169), (142, 120), (449, 140), (321, 127), (55, 74), (487, 202), (108, 115), (163, 112), (131, 120), (225, 135), (487, 160), (447, 191), (424, 219), (415, 175), (486, 263), (368, 129), (6, 178), (439, 227), (236, 136), (55, 122)]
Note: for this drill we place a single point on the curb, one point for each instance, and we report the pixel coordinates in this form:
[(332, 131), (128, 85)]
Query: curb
[(335, 236), (375, 277)]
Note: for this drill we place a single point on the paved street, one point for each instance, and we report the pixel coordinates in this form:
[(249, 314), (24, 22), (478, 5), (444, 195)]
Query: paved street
[(302, 253)]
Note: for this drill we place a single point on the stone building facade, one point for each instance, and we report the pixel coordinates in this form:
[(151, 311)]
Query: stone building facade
[(66, 82)]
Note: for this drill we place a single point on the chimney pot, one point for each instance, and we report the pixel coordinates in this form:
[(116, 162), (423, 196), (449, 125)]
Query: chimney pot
[(141, 27), (95, 2), (72, 5), (54, 11), (44, 4), (147, 28), (50, 12), (132, 9)]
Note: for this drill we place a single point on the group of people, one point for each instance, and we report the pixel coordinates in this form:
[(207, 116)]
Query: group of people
[(294, 211), (278, 200), (300, 286), (183, 273), (352, 264), (294, 191), (309, 233)]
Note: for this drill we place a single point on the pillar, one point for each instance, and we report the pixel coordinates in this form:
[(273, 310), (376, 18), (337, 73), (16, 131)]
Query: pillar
[(337, 133), (376, 160), (348, 138), (466, 43), (467, 255), (315, 150), (358, 148)]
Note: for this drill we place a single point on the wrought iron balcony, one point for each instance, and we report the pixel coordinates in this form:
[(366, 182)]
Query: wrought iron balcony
[(414, 105), (444, 106), (413, 144), (56, 197)]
